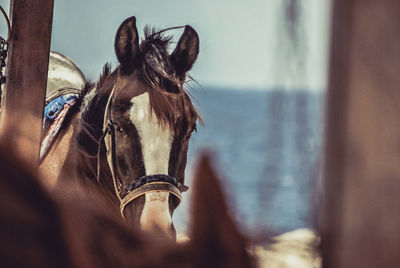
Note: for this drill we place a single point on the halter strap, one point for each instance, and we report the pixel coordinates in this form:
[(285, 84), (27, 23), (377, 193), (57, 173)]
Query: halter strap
[(162, 178), (108, 128), (148, 188)]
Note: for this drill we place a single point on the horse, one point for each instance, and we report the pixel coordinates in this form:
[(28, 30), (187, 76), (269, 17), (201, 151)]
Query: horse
[(128, 136)]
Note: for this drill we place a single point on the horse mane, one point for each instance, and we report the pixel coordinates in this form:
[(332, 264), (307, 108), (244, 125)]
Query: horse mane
[(107, 70), (92, 111)]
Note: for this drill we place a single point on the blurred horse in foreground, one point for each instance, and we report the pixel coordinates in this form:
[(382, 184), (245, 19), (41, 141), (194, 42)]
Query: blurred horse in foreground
[(38, 229)]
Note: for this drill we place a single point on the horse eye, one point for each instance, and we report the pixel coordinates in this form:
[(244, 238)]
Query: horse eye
[(119, 129), (194, 129)]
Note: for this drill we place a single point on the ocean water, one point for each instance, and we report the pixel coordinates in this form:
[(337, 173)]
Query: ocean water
[(267, 146)]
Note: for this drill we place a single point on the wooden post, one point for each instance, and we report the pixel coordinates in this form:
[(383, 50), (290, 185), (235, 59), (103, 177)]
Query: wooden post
[(361, 217), (27, 67)]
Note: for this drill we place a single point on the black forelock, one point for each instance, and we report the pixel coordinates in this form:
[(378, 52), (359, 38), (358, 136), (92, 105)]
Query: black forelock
[(154, 36), (157, 68)]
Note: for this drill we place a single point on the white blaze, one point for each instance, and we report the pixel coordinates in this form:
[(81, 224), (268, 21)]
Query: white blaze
[(156, 142)]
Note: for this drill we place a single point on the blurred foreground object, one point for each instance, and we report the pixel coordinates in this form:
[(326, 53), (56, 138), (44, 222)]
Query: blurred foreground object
[(25, 89), (40, 230), (213, 230), (361, 224)]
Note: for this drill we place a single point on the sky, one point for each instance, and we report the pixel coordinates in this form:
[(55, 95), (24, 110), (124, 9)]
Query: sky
[(242, 43)]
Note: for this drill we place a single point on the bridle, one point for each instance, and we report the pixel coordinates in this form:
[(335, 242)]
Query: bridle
[(138, 186)]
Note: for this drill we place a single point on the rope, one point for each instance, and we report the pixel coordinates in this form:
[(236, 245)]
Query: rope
[(4, 48), (8, 26)]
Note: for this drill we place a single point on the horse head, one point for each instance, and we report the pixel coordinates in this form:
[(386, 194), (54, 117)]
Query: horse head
[(147, 121)]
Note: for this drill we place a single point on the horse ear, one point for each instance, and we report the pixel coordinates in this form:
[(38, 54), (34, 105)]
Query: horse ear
[(215, 238), (185, 53), (127, 43)]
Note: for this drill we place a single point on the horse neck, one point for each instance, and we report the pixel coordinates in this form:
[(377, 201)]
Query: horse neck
[(86, 165)]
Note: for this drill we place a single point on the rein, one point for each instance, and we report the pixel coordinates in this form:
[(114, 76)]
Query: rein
[(140, 186)]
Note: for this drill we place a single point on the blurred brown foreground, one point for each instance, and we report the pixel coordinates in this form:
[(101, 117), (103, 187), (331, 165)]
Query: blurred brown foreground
[(41, 230), (38, 229)]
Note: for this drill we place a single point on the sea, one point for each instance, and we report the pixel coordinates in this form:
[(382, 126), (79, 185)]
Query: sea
[(267, 146)]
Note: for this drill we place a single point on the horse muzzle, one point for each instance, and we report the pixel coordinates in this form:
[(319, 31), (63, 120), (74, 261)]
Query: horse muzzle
[(156, 216)]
